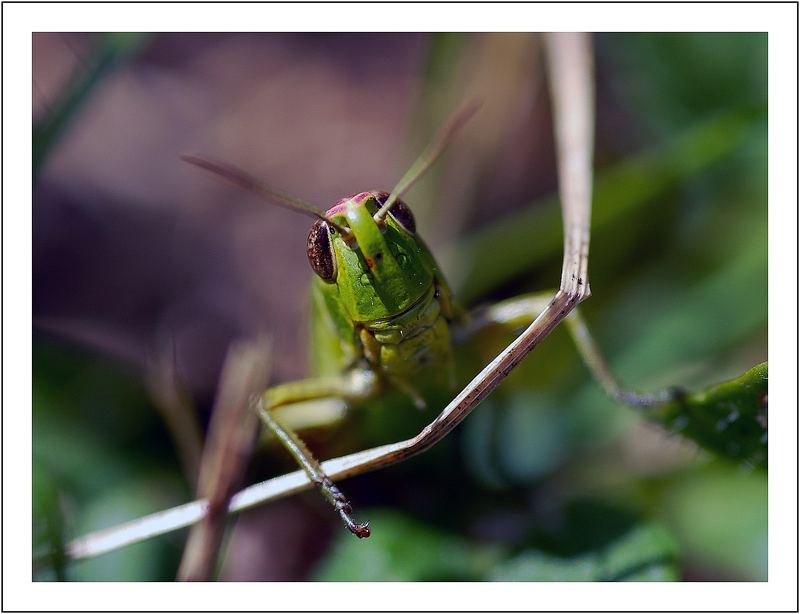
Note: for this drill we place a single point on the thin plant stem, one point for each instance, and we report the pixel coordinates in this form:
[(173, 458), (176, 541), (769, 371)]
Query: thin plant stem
[(570, 65)]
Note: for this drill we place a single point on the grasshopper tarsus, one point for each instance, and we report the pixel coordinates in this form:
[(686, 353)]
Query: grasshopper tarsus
[(344, 507), (361, 531)]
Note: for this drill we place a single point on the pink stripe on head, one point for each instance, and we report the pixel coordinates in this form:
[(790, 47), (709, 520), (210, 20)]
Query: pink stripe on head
[(341, 205)]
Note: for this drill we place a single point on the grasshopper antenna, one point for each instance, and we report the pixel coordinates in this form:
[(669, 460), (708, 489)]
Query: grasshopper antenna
[(247, 182), (428, 156)]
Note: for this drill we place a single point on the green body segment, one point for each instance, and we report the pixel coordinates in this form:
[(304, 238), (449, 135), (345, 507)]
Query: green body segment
[(388, 308)]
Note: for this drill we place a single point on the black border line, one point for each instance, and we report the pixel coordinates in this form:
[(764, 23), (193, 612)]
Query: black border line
[(356, 2), (614, 2)]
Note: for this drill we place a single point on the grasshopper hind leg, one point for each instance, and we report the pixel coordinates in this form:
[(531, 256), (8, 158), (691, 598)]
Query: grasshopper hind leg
[(336, 393)]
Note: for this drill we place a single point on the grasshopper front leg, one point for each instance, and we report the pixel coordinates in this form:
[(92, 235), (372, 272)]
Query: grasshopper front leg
[(355, 385)]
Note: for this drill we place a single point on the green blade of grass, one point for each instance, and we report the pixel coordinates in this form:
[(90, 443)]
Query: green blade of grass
[(113, 49)]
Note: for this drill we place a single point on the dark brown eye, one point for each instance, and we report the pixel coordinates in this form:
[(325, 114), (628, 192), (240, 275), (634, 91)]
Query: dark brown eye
[(403, 215), (320, 251), (400, 212)]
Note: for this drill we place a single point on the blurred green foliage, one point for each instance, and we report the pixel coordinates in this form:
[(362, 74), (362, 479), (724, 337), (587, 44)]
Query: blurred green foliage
[(719, 516), (100, 457), (545, 480), (618, 192), (647, 553), (406, 550)]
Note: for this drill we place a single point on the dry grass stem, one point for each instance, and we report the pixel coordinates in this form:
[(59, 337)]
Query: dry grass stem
[(231, 436), (170, 397)]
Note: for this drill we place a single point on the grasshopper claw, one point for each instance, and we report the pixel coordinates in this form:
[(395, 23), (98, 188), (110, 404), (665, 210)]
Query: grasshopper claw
[(359, 530)]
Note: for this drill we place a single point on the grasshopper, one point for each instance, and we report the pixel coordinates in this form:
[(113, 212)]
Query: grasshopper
[(383, 315)]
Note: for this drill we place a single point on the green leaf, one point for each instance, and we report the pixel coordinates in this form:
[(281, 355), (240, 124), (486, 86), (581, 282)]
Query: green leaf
[(402, 549), (645, 553), (729, 419)]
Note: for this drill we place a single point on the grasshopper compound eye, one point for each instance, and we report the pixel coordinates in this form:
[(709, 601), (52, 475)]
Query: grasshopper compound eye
[(320, 251), (404, 217), (400, 212)]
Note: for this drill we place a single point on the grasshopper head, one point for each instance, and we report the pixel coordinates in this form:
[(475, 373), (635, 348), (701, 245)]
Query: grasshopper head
[(364, 249), (380, 268)]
